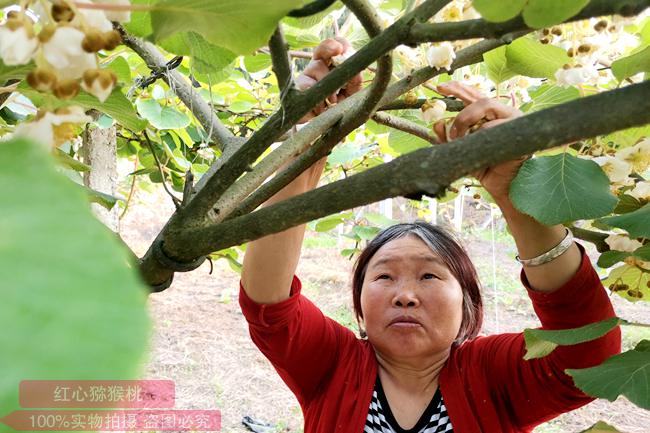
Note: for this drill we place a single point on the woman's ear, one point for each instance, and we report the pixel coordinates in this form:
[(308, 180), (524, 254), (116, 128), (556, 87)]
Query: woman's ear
[(362, 331)]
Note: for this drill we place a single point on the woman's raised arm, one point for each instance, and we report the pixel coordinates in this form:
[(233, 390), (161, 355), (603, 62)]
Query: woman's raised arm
[(270, 262)]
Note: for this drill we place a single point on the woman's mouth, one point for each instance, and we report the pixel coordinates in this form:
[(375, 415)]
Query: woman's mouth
[(404, 322)]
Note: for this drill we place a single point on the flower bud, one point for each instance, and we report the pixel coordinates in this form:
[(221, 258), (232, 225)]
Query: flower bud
[(600, 25), (411, 98), (42, 80), (432, 111), (93, 41), (112, 40), (557, 31), (66, 89), (441, 56), (61, 12), (99, 82)]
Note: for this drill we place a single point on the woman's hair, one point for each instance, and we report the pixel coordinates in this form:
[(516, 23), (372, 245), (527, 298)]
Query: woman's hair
[(452, 254)]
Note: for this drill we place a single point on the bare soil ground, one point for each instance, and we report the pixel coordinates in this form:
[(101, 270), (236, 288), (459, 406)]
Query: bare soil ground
[(201, 339)]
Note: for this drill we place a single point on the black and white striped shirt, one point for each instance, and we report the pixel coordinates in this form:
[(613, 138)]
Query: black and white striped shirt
[(381, 420)]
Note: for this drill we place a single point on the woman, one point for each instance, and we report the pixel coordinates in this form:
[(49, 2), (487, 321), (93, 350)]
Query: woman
[(422, 367)]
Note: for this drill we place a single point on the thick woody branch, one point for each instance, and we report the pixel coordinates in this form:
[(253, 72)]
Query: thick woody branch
[(297, 144), (324, 145), (279, 50), (155, 60), (453, 105), (407, 126), (430, 32), (281, 121), (429, 171)]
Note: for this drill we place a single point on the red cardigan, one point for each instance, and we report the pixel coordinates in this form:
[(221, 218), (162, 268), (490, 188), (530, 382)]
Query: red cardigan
[(486, 384)]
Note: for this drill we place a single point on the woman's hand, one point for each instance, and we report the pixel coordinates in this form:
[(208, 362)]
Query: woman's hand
[(478, 108), (319, 67)]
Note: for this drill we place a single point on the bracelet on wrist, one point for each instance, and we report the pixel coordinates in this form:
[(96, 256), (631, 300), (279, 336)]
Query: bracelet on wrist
[(551, 254)]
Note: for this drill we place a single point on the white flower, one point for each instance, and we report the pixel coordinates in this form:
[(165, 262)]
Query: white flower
[(119, 16), (641, 191), (16, 46), (99, 82), (337, 60), (622, 243), (93, 18), (63, 51), (441, 56), (53, 128), (410, 58), (618, 171), (433, 111), (574, 76), (638, 155)]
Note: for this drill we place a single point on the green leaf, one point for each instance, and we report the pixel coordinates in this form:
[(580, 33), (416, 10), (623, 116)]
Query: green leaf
[(365, 232), (17, 72), (403, 142), (379, 219), (499, 11), (161, 117), (636, 223), (206, 57), (626, 204), (625, 374), (257, 62), (632, 65), (347, 152), (116, 106), (106, 200), (122, 70), (547, 96), (610, 258), (312, 20), (643, 252), (601, 427), (546, 13), (85, 306), (566, 188), (240, 27), (531, 58), (540, 342), (629, 282), (497, 65), (69, 161)]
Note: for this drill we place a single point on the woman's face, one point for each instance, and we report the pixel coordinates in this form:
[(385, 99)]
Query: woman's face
[(411, 302)]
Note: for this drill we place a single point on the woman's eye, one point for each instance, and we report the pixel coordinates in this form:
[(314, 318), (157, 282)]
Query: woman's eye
[(383, 276), (429, 276)]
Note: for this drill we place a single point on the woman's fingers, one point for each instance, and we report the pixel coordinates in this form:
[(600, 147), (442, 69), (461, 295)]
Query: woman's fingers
[(488, 109), (440, 130), (330, 48), (465, 93)]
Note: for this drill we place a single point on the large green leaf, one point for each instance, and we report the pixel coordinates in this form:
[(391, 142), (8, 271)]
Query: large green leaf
[(625, 374), (497, 65), (81, 312), (161, 117), (238, 26), (499, 11), (562, 188), (547, 96), (531, 58), (206, 57), (540, 342), (14, 72), (116, 105), (545, 13), (629, 282), (636, 223), (632, 65)]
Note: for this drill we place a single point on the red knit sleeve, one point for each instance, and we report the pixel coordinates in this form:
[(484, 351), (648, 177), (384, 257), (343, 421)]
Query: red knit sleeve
[(538, 390), (301, 343)]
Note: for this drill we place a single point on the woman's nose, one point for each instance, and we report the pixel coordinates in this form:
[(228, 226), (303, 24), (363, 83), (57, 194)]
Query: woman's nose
[(405, 298)]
